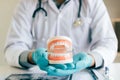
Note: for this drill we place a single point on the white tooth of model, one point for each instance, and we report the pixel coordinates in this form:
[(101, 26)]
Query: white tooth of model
[(54, 55), (57, 43), (66, 45), (52, 47)]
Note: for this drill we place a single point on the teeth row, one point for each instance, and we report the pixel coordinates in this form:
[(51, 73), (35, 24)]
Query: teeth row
[(59, 43), (59, 55)]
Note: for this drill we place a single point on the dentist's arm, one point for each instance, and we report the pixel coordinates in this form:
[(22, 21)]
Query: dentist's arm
[(19, 40)]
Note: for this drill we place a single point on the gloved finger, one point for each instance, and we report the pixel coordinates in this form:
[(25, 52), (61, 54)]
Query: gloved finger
[(46, 68), (64, 66), (80, 65), (70, 65), (79, 56), (45, 55), (38, 53), (50, 70), (59, 66), (60, 72), (65, 72), (85, 62), (43, 68), (41, 50)]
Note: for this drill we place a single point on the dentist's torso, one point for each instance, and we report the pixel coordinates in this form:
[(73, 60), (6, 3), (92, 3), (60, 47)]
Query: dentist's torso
[(60, 22)]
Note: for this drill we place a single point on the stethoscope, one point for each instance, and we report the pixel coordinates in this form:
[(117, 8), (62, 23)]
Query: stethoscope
[(77, 22)]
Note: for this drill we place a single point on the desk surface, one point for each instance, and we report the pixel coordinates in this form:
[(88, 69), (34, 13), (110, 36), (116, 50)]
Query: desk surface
[(7, 70), (115, 71)]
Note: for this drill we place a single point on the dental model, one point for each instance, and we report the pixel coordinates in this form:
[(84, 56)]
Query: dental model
[(59, 50)]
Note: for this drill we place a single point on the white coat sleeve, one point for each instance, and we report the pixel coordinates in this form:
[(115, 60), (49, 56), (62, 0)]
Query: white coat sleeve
[(19, 36), (104, 41)]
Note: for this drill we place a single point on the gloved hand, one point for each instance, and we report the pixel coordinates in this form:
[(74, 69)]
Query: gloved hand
[(81, 61), (39, 56)]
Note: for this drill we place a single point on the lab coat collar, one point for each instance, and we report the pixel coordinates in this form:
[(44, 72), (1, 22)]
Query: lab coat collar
[(53, 6), (44, 1)]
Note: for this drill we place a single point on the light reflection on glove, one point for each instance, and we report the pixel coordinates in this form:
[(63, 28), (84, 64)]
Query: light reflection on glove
[(81, 61)]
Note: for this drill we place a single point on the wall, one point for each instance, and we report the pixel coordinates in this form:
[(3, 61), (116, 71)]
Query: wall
[(113, 8), (6, 10)]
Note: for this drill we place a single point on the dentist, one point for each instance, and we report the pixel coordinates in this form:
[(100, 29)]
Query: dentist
[(86, 22)]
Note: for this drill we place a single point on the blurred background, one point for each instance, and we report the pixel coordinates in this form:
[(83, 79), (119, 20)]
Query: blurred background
[(7, 8)]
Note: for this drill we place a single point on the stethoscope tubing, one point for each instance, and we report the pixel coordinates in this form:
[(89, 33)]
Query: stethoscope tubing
[(39, 8)]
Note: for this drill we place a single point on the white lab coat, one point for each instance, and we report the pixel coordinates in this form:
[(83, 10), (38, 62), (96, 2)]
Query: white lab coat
[(95, 35)]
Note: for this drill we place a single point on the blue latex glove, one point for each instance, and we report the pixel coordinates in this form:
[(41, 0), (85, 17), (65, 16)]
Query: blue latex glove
[(81, 61), (40, 57), (64, 66)]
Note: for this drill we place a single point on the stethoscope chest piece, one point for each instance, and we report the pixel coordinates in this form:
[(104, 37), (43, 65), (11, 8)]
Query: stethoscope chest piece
[(77, 22)]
